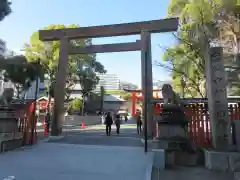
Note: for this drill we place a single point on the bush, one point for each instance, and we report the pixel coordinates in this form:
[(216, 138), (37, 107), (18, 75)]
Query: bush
[(126, 96), (76, 104)]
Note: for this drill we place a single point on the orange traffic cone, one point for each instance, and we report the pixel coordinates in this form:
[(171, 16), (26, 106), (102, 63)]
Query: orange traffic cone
[(82, 125)]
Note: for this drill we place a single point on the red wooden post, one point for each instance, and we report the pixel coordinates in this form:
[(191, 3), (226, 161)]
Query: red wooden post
[(238, 111), (202, 122), (207, 123), (134, 98)]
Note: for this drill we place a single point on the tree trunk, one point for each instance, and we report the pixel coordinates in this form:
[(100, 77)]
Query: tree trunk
[(102, 99), (82, 107), (49, 94), (55, 131), (49, 100)]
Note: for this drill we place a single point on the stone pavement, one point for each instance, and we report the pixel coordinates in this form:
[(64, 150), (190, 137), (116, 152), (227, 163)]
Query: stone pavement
[(128, 130), (190, 173), (90, 154), (67, 161), (95, 135)]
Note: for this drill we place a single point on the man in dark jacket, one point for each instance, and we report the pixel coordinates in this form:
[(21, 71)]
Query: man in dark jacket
[(108, 123), (118, 123), (139, 124)]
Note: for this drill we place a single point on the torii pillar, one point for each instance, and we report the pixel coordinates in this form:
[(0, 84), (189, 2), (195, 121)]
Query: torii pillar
[(147, 83), (59, 93)]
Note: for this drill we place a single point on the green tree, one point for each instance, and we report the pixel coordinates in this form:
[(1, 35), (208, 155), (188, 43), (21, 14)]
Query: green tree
[(126, 96), (5, 9), (21, 76), (76, 104), (87, 73), (201, 22), (123, 94), (48, 53)]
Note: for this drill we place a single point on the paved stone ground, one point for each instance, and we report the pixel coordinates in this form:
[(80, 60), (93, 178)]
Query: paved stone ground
[(190, 173), (90, 154), (96, 136), (50, 161)]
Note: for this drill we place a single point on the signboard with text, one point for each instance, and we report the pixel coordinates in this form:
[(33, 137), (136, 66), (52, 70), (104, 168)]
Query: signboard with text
[(217, 99)]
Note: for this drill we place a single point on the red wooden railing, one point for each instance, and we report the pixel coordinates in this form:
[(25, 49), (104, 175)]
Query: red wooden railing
[(199, 125)]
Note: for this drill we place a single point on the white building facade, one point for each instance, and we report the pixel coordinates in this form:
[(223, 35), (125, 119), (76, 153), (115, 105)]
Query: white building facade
[(2, 47), (3, 84), (109, 82)]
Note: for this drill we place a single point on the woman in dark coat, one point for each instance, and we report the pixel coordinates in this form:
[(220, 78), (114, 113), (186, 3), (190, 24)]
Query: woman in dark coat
[(108, 123), (139, 124), (118, 122)]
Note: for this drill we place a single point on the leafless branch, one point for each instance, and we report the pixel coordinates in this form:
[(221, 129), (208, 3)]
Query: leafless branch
[(193, 48), (173, 68)]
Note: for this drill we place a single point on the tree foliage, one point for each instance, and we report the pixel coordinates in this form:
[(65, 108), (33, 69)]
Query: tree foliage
[(87, 73), (202, 23), (81, 67), (123, 94), (5, 9), (21, 75), (76, 104)]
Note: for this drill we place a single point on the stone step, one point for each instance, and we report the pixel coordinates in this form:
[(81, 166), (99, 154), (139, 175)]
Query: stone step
[(10, 141), (11, 145), (173, 145), (181, 158)]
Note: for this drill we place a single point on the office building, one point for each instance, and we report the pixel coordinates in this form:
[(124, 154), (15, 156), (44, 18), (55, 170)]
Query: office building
[(128, 85), (108, 81), (2, 48), (41, 91), (4, 84), (10, 53)]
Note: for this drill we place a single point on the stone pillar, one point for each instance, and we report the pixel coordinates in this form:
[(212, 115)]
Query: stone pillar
[(217, 99), (59, 88), (147, 84)]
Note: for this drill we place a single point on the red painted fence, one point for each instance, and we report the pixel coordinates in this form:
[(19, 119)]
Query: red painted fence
[(199, 125)]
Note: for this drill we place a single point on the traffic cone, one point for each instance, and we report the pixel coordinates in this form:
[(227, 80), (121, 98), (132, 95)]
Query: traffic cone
[(82, 125)]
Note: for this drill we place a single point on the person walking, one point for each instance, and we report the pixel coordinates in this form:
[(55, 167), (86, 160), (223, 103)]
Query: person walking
[(48, 120), (139, 124), (108, 123), (125, 118), (117, 123)]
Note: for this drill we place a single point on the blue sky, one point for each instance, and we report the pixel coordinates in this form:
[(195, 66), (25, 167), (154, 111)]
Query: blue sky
[(31, 15)]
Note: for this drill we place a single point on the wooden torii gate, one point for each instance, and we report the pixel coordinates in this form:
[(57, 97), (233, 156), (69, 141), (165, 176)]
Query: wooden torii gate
[(144, 28), (137, 95)]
